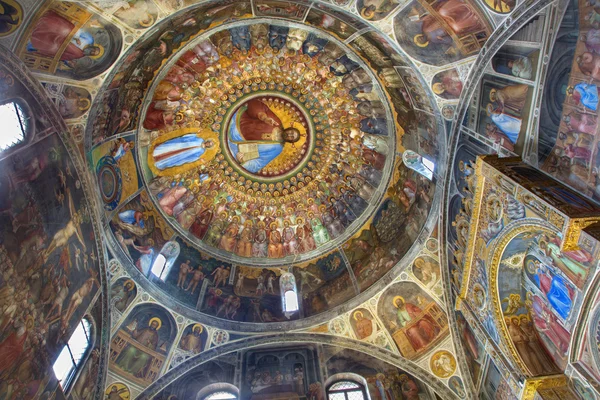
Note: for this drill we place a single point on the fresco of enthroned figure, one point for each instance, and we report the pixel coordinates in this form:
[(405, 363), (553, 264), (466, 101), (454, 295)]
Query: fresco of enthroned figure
[(140, 347), (257, 135), (413, 319), (436, 32), (69, 41)]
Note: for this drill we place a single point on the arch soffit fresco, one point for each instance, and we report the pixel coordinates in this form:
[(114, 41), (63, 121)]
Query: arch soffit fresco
[(299, 338), (495, 255), (17, 68), (521, 15)]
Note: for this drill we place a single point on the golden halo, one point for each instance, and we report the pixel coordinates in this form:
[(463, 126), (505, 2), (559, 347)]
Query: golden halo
[(355, 315), (147, 24), (157, 320), (395, 301), (366, 13), (524, 317), (418, 43), (132, 285), (199, 326), (100, 54), (86, 104), (438, 88), (493, 94)]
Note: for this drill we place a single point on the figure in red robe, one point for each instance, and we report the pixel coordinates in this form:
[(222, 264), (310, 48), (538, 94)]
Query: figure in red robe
[(257, 137), (11, 348), (458, 14), (52, 30)]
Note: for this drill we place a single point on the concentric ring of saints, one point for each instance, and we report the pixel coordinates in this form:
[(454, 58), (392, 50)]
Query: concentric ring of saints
[(265, 147)]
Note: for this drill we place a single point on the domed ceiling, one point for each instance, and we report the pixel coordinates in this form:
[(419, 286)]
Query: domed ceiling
[(262, 150)]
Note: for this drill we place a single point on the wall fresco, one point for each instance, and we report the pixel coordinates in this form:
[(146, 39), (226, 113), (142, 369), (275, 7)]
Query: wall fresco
[(68, 40)]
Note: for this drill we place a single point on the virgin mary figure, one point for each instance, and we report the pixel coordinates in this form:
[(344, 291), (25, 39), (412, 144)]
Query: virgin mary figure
[(509, 125), (256, 135), (180, 150)]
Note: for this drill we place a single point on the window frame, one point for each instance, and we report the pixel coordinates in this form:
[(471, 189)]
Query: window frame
[(27, 116), (219, 391), (76, 367), (361, 387), (215, 388)]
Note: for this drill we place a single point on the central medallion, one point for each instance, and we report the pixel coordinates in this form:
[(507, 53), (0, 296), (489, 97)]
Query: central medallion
[(267, 136), (266, 156)]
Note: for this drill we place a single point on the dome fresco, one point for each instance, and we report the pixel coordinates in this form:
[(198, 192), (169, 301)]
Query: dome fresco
[(249, 148), (266, 155), (277, 198)]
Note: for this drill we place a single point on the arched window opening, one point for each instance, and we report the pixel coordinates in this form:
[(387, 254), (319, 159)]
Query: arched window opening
[(15, 124), (218, 391), (291, 301), (164, 261), (418, 163), (346, 390), (70, 358), (221, 395), (287, 286), (158, 266)]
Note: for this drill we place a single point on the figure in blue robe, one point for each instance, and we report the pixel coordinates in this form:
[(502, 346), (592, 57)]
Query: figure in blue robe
[(556, 291), (313, 45), (509, 125), (180, 150), (240, 37), (278, 36), (587, 94), (132, 217), (374, 126), (267, 151)]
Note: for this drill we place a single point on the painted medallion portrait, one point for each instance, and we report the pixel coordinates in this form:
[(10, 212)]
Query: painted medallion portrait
[(268, 135), (443, 363), (11, 16)]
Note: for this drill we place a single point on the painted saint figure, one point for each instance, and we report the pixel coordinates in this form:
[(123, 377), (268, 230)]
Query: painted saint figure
[(421, 329), (459, 16), (257, 137), (134, 360), (509, 125), (510, 98), (179, 151), (577, 271), (50, 33), (193, 340), (585, 94), (556, 290), (520, 67)]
